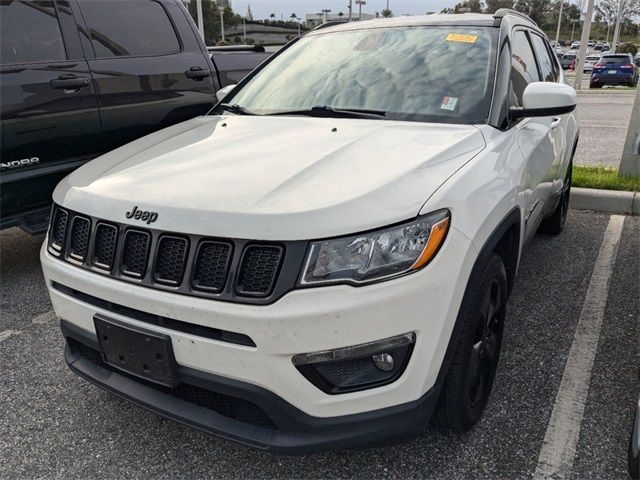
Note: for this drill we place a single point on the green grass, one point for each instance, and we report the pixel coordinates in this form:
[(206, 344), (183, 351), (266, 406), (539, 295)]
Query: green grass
[(603, 178)]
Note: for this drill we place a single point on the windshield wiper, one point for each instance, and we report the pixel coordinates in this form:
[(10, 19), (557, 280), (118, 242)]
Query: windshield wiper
[(326, 111), (235, 108)]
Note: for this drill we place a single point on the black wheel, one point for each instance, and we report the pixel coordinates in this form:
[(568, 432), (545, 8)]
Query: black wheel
[(554, 224), (468, 384), (634, 456)]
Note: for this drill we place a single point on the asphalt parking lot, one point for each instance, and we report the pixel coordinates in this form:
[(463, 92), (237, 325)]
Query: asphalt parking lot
[(604, 119), (55, 425)]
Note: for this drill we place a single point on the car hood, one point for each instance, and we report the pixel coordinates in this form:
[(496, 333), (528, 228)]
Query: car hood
[(273, 178)]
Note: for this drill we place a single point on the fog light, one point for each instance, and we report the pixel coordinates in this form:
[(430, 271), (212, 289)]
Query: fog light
[(357, 367), (384, 361)]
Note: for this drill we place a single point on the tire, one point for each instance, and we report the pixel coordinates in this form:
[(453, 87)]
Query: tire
[(633, 459), (467, 386), (554, 224)]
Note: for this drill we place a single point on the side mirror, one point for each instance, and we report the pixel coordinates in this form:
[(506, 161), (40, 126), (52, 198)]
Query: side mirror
[(223, 92), (544, 99)]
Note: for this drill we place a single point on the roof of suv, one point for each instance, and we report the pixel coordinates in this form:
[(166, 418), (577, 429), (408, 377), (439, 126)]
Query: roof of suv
[(466, 19)]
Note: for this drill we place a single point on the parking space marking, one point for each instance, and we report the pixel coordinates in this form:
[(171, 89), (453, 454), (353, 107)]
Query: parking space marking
[(8, 333), (561, 439), (43, 318)]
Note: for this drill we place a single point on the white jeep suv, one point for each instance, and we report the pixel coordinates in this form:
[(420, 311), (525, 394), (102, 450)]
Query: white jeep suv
[(324, 260)]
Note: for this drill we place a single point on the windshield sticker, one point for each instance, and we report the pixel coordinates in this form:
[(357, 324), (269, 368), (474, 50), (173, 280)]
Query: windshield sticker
[(449, 103), (462, 38)]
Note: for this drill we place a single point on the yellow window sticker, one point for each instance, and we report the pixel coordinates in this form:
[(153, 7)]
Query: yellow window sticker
[(462, 38)]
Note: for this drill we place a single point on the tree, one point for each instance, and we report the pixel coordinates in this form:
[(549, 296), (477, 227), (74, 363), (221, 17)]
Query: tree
[(272, 17), (211, 20), (537, 10), (495, 5), (627, 47), (608, 9), (340, 14), (387, 13)]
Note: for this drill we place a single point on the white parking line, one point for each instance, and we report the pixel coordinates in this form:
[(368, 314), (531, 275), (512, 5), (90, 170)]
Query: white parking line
[(559, 446), (8, 333), (43, 318)]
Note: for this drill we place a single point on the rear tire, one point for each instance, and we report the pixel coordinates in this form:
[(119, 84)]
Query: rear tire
[(468, 384), (554, 224)]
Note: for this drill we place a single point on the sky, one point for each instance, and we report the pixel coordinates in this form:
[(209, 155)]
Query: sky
[(263, 8)]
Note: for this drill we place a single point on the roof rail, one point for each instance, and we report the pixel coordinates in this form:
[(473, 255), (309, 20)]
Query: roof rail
[(502, 12), (332, 23), (236, 48)]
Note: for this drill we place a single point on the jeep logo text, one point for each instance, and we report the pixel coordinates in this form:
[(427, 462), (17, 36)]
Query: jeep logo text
[(145, 215)]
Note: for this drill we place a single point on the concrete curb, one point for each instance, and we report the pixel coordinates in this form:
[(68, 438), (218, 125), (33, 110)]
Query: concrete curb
[(605, 201)]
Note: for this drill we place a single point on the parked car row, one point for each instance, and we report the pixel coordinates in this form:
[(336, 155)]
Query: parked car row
[(79, 78)]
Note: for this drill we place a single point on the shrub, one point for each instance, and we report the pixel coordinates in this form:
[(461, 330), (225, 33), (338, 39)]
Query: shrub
[(627, 47)]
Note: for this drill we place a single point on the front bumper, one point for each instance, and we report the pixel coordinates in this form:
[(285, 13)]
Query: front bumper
[(246, 413), (303, 321)]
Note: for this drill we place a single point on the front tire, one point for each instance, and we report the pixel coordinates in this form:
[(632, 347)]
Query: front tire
[(468, 384)]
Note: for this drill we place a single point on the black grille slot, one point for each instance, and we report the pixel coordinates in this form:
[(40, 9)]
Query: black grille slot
[(259, 270), (58, 230), (171, 258), (104, 250), (79, 238), (135, 253), (212, 266)]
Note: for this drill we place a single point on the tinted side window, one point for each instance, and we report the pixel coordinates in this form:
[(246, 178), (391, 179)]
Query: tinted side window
[(523, 67), (138, 27), (544, 60), (30, 32)]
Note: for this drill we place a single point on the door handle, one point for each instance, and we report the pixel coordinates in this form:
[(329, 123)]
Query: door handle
[(197, 73), (69, 82), (555, 122)]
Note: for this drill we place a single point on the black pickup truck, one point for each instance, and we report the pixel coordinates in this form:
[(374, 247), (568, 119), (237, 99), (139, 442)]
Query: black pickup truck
[(81, 77)]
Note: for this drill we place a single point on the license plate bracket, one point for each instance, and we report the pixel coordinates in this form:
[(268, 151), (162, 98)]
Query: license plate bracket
[(137, 351)]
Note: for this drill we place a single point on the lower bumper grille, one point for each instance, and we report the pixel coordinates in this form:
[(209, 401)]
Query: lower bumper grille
[(225, 405)]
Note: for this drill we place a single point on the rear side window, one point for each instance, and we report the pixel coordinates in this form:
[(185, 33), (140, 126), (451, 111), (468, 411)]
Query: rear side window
[(616, 59), (544, 59), (523, 67), (30, 32), (129, 28)]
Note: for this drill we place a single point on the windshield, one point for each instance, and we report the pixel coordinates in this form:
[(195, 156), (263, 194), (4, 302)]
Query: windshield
[(434, 74)]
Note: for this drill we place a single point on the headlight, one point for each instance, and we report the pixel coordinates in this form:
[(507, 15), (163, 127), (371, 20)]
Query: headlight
[(377, 255)]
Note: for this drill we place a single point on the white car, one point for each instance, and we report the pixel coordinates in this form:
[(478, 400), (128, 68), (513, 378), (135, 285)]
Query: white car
[(324, 260), (590, 61)]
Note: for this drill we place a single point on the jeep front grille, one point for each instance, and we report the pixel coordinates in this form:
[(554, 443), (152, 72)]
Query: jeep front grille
[(226, 269)]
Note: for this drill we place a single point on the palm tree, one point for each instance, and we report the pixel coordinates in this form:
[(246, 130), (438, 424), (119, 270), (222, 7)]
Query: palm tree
[(340, 14), (272, 17), (293, 16)]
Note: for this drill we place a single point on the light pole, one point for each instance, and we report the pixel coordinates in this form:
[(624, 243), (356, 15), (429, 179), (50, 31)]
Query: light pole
[(559, 23), (573, 28), (360, 3), (616, 32), (350, 10), (326, 11), (222, 22), (584, 39), (200, 19), (244, 30)]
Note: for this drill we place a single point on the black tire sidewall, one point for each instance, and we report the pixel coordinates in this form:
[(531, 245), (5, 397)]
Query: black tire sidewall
[(455, 409)]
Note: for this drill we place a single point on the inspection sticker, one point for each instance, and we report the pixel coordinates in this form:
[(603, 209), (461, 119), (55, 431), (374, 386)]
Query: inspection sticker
[(449, 103), (461, 37)]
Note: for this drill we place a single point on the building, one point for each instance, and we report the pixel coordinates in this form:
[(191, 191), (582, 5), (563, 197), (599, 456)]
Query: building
[(312, 20)]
